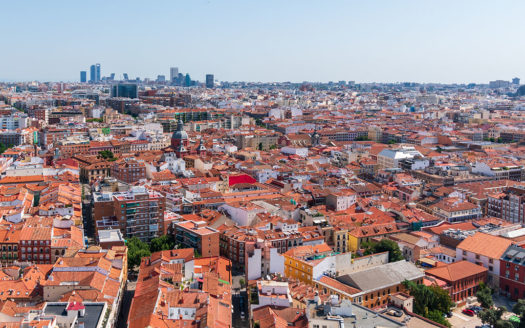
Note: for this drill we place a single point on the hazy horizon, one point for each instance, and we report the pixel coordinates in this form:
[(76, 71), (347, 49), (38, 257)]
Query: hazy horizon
[(270, 41)]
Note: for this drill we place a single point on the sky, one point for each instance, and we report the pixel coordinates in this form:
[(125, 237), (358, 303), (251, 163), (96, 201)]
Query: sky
[(445, 41)]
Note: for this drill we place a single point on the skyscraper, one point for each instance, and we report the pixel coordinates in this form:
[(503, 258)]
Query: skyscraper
[(516, 80), (92, 74), (209, 81), (83, 76), (98, 72), (187, 80), (174, 74), (125, 76)]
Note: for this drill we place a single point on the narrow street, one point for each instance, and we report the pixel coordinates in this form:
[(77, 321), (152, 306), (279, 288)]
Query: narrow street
[(126, 304)]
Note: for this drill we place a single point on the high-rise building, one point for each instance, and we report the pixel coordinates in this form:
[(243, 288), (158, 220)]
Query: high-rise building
[(125, 76), (516, 80), (124, 90), (98, 76), (209, 81), (92, 74), (187, 80), (83, 76), (112, 76), (174, 74), (161, 78)]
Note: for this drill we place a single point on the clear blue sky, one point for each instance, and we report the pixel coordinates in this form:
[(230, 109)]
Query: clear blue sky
[(266, 40)]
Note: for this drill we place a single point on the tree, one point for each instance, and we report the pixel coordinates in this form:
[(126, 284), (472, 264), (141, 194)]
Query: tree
[(3, 147), (519, 309), (492, 315), (106, 154), (162, 243), (137, 249), (260, 146), (430, 301), (503, 324), (385, 245), (437, 316), (242, 282), (484, 296)]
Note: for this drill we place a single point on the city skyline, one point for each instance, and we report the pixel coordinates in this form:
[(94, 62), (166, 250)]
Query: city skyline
[(449, 42)]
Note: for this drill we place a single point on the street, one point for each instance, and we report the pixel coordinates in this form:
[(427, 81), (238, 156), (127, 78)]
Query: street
[(126, 304)]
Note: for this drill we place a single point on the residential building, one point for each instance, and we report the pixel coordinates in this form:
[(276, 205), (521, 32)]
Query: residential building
[(485, 250), (512, 273)]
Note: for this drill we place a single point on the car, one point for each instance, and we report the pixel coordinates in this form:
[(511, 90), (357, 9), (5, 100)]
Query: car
[(448, 314), (476, 309), (468, 312), (242, 315)]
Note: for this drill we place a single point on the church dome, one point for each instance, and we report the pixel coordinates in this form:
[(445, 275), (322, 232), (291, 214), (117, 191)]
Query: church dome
[(180, 134)]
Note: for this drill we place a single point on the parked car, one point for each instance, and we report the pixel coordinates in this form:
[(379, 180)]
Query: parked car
[(468, 312), (475, 308), (448, 314), (242, 315)]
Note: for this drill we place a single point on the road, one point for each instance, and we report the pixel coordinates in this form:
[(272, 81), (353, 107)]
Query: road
[(240, 303), (126, 304)]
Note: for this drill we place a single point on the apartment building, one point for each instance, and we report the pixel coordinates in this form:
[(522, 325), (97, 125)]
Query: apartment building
[(197, 235), (485, 250), (128, 170), (508, 205), (138, 212), (512, 273)]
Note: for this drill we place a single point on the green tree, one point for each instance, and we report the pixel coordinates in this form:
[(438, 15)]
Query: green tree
[(260, 146), (484, 296), (137, 249), (519, 309), (437, 316), (503, 324), (242, 282), (3, 147), (106, 154), (492, 315), (386, 245), (162, 243), (430, 301)]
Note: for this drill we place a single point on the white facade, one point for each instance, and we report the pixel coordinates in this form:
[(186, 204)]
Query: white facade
[(303, 152), (491, 264)]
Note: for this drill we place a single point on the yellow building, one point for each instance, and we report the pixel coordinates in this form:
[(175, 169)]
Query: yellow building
[(299, 262), (365, 233)]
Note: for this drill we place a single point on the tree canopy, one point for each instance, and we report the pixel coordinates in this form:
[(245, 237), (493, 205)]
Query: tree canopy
[(431, 302), (137, 249), (484, 296), (162, 243), (519, 309), (107, 154), (385, 245)]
